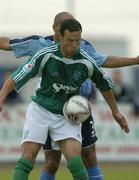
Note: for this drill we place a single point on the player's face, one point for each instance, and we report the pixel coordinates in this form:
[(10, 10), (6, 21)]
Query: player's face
[(70, 43)]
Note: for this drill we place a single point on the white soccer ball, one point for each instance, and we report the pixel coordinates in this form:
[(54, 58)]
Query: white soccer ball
[(77, 109)]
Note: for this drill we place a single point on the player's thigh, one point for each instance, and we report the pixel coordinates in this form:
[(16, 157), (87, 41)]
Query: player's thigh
[(52, 157), (89, 156), (70, 147), (50, 154)]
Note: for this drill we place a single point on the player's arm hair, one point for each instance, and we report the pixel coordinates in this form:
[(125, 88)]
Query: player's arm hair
[(113, 61), (5, 44)]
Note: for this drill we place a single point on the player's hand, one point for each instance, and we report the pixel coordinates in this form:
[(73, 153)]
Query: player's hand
[(121, 121)]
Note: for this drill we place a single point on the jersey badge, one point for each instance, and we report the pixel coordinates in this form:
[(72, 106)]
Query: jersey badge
[(27, 67), (76, 75)]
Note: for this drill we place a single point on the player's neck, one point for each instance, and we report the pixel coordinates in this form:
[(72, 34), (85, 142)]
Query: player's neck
[(66, 54)]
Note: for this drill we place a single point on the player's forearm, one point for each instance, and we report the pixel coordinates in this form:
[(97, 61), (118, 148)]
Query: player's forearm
[(113, 61), (109, 97), (5, 44), (6, 89), (120, 119)]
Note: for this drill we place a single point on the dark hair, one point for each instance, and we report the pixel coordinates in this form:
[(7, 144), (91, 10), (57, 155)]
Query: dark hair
[(71, 25)]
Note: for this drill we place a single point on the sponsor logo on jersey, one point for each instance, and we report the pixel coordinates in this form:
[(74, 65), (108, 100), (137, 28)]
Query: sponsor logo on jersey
[(68, 89)]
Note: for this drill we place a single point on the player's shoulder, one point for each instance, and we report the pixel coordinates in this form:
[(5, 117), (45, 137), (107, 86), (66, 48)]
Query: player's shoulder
[(85, 55), (49, 38), (86, 45), (85, 42)]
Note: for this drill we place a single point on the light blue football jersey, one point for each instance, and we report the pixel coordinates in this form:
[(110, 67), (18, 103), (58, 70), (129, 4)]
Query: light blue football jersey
[(29, 45)]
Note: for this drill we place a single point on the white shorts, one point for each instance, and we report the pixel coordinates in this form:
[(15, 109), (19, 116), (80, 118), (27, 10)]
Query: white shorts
[(39, 121)]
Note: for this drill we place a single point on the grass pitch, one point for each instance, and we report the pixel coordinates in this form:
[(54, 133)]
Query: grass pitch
[(111, 171)]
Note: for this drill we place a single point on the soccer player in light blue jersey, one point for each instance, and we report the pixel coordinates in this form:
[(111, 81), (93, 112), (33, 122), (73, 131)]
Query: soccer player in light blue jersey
[(63, 68), (27, 47)]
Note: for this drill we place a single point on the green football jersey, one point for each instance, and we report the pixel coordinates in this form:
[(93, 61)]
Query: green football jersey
[(61, 77)]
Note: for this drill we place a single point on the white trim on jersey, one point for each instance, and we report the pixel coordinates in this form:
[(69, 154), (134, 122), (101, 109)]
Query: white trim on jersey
[(81, 61), (33, 60)]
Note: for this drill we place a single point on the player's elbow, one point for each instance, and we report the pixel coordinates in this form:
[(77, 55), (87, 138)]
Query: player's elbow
[(5, 44)]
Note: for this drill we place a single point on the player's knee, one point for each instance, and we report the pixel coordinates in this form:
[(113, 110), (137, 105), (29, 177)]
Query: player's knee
[(89, 156), (76, 167), (30, 151), (52, 160)]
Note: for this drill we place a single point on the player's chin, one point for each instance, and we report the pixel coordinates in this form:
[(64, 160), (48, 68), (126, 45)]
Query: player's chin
[(72, 51)]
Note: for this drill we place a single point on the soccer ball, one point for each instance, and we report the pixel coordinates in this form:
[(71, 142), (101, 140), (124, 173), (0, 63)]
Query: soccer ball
[(77, 109)]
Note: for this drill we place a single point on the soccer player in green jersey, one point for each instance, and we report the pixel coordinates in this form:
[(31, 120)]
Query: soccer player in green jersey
[(29, 45), (63, 68)]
